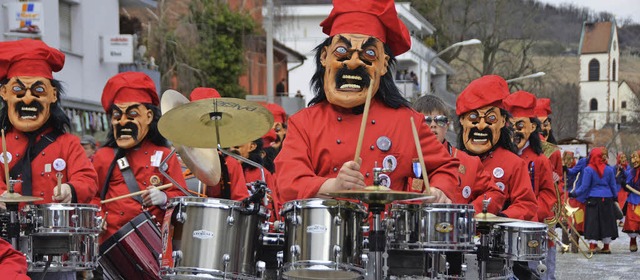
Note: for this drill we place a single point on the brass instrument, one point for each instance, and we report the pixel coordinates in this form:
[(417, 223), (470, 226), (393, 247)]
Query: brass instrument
[(562, 214)]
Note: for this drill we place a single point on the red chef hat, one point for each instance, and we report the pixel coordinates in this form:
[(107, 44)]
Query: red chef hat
[(521, 104), (543, 107), (279, 114), (377, 18), (485, 91), (129, 87), (28, 57), (203, 93)]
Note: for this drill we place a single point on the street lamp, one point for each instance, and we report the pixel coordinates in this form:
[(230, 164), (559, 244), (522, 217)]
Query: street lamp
[(534, 75), (458, 44)]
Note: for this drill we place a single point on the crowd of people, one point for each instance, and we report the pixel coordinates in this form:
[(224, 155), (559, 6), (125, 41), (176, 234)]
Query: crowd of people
[(506, 151)]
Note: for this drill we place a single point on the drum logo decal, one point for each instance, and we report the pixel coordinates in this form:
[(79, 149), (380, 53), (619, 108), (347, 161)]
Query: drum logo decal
[(444, 227), (203, 234), (533, 243), (316, 229)]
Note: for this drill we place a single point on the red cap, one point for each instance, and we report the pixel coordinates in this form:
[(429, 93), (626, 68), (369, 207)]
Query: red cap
[(521, 104), (485, 91), (279, 114), (28, 57), (203, 93), (543, 107), (129, 87), (377, 18)]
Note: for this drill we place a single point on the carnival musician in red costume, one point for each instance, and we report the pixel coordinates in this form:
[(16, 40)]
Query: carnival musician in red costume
[(38, 145), (131, 157), (476, 184), (632, 215), (484, 133), (521, 105), (13, 264), (549, 147), (318, 155)]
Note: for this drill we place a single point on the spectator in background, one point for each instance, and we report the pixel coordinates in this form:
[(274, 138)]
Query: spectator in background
[(89, 145), (599, 183), (280, 88), (414, 79)]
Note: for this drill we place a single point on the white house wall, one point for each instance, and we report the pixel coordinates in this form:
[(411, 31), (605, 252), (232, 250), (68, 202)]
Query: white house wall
[(83, 75)]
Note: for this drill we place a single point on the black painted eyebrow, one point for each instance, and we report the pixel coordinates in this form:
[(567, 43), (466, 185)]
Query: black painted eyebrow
[(370, 42), (344, 40)]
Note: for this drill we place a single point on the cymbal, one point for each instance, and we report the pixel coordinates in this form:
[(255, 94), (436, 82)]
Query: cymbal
[(204, 163), (239, 122), (491, 218), (16, 198), (373, 196)]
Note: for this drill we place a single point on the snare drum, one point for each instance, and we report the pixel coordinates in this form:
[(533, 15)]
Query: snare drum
[(323, 238), (133, 251), (64, 234), (519, 241), (431, 227), (210, 237)]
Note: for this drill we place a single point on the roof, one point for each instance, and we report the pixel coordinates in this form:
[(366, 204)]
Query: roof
[(596, 37)]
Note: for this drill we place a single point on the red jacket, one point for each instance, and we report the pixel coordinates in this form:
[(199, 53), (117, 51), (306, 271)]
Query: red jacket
[(13, 264), (78, 172), (543, 187), (475, 183), (124, 210), (510, 173), (321, 138), (555, 159)]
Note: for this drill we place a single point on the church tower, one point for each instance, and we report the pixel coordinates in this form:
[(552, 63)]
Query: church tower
[(599, 63)]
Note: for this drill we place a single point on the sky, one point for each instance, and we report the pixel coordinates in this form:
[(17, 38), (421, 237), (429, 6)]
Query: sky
[(620, 8)]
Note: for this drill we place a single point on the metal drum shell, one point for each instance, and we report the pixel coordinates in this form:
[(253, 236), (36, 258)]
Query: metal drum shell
[(208, 230), (54, 218), (316, 230), (68, 252), (519, 241), (431, 227)]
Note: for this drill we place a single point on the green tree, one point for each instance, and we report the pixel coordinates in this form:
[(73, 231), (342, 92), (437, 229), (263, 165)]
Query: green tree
[(219, 54)]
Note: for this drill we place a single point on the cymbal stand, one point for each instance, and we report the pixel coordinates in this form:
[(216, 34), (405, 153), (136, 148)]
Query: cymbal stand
[(166, 175), (377, 239), (483, 249), (13, 228)]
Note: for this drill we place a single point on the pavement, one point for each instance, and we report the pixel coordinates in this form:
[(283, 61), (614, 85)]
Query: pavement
[(621, 264)]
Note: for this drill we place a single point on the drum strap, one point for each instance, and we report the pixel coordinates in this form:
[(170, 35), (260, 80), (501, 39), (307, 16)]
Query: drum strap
[(127, 174), (23, 167)]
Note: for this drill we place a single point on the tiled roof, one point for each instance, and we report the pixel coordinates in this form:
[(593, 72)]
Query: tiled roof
[(596, 37)]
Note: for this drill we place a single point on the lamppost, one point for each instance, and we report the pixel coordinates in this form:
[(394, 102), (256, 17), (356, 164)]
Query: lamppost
[(534, 75), (458, 44)]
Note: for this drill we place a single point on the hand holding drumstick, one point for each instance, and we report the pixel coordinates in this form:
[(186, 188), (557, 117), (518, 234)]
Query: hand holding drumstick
[(62, 192), (143, 192)]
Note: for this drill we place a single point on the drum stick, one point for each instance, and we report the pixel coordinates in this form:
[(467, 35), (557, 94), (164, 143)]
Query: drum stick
[(425, 178), (365, 116), (5, 159), (166, 186)]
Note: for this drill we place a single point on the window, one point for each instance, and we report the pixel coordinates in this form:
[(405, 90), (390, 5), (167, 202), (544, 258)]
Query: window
[(623, 105), (613, 104), (65, 26), (594, 70), (593, 105), (613, 76), (623, 119)]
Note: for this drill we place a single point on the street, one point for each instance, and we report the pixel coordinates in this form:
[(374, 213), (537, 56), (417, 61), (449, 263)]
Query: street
[(619, 265)]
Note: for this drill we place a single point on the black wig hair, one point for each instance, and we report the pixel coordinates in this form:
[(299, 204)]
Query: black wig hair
[(388, 92), (58, 119), (255, 155), (534, 139), (153, 135)]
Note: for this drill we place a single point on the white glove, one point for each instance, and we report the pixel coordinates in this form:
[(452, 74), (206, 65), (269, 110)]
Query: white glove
[(439, 196), (154, 197), (3, 207), (62, 194)]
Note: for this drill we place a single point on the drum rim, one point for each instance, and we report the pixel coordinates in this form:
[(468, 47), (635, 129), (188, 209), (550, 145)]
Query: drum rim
[(188, 200), (526, 225), (311, 203), (69, 205)]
